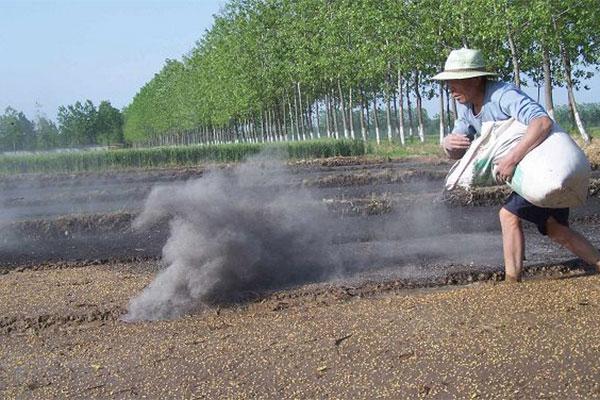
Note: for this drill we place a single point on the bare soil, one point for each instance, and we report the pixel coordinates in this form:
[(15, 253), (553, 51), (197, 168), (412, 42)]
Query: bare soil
[(434, 323), (61, 337)]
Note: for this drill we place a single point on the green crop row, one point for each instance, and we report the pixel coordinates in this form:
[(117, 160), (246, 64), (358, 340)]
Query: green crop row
[(173, 156)]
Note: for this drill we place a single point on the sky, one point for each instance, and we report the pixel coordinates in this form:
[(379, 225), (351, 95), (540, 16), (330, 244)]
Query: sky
[(57, 52)]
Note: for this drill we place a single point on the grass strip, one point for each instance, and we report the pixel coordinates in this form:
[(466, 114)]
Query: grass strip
[(173, 156)]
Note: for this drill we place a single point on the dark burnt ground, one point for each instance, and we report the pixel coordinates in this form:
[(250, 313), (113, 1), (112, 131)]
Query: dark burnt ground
[(88, 216), (394, 221)]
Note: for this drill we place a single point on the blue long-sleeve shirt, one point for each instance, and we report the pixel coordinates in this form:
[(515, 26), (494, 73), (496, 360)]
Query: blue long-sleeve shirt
[(500, 102)]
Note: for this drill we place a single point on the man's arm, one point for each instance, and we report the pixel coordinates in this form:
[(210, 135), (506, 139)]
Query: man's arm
[(537, 131)]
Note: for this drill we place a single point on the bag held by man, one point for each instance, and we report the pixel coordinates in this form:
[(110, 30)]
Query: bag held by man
[(554, 174)]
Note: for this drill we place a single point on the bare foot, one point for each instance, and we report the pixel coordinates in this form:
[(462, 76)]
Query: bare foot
[(512, 279)]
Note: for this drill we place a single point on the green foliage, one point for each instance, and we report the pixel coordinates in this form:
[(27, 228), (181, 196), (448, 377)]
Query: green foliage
[(595, 132), (47, 134), (590, 114), (412, 149), (16, 131), (77, 123), (262, 70), (259, 53), (109, 124), (83, 124), (80, 124)]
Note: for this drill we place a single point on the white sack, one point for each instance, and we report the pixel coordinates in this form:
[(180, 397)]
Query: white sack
[(555, 174)]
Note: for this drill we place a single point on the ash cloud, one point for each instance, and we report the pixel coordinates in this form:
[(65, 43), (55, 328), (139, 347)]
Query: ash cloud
[(234, 234), (242, 232), (8, 239)]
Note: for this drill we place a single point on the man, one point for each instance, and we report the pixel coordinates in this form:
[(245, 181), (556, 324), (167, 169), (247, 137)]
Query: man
[(482, 100)]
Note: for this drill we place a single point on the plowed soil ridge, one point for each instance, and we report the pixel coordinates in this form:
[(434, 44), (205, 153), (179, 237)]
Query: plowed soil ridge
[(115, 223)]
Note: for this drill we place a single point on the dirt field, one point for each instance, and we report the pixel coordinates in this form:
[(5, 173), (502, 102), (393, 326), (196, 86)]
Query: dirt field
[(392, 324)]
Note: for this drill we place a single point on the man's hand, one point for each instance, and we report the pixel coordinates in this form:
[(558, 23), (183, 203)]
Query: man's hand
[(456, 145), (537, 131), (505, 168)]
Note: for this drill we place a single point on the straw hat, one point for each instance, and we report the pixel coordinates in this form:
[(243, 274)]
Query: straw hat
[(463, 64)]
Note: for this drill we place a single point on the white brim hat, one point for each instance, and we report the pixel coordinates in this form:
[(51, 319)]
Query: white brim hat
[(463, 64)]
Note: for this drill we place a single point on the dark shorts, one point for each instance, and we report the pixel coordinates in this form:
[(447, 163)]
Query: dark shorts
[(538, 215)]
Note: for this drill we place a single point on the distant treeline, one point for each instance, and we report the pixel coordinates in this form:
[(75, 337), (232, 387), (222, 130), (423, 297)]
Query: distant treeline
[(590, 115), (272, 70), (82, 125), (79, 125)]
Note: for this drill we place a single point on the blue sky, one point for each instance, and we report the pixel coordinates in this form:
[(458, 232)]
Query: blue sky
[(56, 52)]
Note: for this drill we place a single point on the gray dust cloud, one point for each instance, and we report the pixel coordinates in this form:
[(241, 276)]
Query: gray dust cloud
[(237, 233), (232, 234), (8, 239)]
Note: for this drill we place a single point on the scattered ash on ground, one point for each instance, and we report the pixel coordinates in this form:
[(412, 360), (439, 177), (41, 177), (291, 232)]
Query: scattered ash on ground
[(340, 218)]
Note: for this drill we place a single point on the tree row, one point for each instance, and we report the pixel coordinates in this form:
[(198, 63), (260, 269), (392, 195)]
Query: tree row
[(79, 125), (273, 70)]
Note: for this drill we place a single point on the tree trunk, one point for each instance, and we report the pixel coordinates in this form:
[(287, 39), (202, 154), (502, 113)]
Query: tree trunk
[(271, 134), (419, 108), (284, 130), (343, 109), (409, 110), (317, 116), (395, 113), (309, 120), (548, 82), (277, 124), (375, 120), (302, 113), (334, 113), (367, 120), (363, 130), (297, 117), (400, 108), (568, 80), (442, 116), (273, 125), (327, 115), (267, 126), (388, 115), (351, 115), (515, 58), (449, 115), (263, 127), (291, 115), (274, 131)]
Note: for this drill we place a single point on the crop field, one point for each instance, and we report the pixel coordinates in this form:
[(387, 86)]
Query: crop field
[(173, 156), (330, 278)]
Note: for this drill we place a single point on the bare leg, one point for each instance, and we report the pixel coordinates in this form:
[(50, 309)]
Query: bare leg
[(513, 243), (574, 242)]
